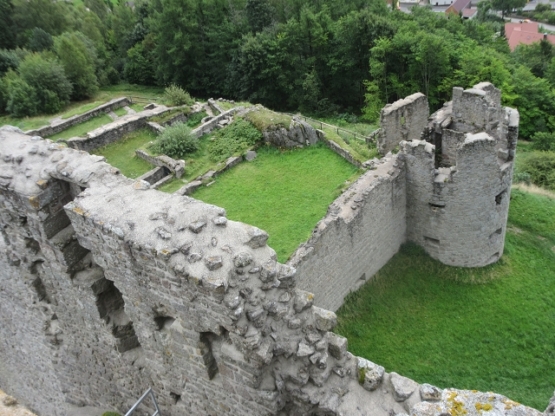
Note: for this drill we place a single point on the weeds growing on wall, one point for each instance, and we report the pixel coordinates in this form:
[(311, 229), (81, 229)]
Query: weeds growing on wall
[(489, 328)]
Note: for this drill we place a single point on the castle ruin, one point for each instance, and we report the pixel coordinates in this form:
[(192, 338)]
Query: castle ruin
[(108, 287)]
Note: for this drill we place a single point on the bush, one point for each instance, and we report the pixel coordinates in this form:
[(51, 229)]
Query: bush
[(195, 119), (176, 141), (175, 95), (47, 77), (236, 138), (541, 168), (522, 177), (21, 98), (78, 62), (543, 141), (8, 60)]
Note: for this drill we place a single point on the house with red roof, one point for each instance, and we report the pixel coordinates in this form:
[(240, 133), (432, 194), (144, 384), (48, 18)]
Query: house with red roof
[(525, 33), (458, 6)]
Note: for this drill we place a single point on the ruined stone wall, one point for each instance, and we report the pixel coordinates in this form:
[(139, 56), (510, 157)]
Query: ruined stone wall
[(458, 211), (109, 287), (61, 125), (114, 131), (403, 120), (362, 230)]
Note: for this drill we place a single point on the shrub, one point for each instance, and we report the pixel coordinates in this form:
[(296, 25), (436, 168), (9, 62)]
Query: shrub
[(21, 97), (543, 141), (522, 177), (8, 60), (47, 77), (175, 95), (176, 141), (195, 119), (39, 40), (236, 138), (541, 168), (78, 62)]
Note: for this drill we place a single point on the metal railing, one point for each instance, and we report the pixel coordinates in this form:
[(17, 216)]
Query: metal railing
[(315, 123), (143, 397)]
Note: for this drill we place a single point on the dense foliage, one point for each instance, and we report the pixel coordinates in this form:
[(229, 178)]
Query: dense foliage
[(176, 141), (539, 167), (234, 139), (319, 57)]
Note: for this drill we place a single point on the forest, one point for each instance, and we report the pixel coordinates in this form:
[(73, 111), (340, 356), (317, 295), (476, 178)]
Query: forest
[(323, 57)]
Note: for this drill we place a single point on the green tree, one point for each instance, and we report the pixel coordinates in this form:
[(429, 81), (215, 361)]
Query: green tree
[(259, 14), (47, 77), (39, 40), (535, 101), (139, 67), (21, 99), (506, 6), (7, 38), (50, 16), (79, 64)]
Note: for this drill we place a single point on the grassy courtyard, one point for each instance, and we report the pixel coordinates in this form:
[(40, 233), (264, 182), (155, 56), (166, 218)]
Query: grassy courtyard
[(490, 329), (121, 154), (282, 192)]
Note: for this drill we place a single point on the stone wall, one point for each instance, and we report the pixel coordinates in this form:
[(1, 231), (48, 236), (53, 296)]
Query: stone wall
[(298, 134), (114, 131), (362, 230), (458, 211), (403, 120), (62, 124), (177, 167), (213, 122), (108, 287)]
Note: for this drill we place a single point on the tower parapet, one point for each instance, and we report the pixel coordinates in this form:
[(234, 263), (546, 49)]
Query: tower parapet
[(458, 183)]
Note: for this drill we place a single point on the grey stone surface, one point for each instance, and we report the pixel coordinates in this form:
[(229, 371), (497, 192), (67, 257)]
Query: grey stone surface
[(250, 155), (405, 119), (403, 387), (59, 125)]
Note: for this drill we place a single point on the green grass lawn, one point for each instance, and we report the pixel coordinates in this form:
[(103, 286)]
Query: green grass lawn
[(78, 108), (121, 154), (282, 192), (105, 94), (81, 129), (120, 111), (490, 329), (26, 123)]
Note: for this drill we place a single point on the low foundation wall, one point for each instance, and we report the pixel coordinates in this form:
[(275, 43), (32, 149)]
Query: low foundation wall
[(52, 129), (213, 122), (362, 230), (177, 167), (114, 131)]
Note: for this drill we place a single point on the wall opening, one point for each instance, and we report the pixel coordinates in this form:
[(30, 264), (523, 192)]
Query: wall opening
[(436, 205), (110, 306), (210, 345), (499, 198), (40, 289), (431, 241), (175, 397), (163, 323)]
